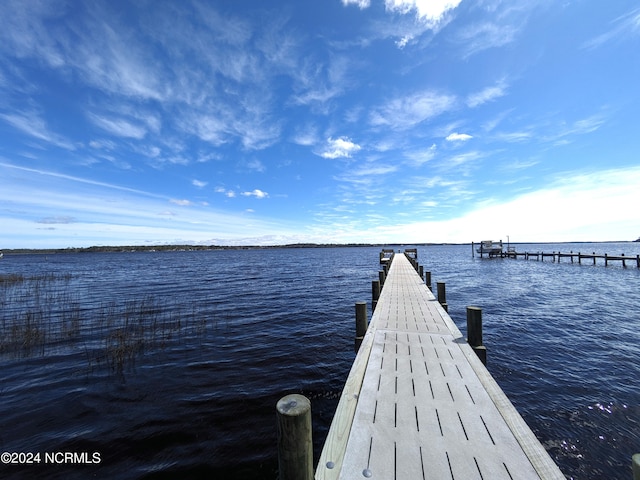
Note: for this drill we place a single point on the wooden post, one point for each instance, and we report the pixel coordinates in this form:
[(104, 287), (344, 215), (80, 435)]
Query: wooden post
[(624, 264), (295, 445), (375, 294), (606, 260), (638, 261), (428, 280), (421, 272), (635, 466), (361, 323), (442, 295), (382, 276), (473, 253), (474, 333)]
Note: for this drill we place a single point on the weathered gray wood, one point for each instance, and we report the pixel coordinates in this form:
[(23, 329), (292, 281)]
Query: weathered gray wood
[(635, 465), (425, 406), (295, 446)]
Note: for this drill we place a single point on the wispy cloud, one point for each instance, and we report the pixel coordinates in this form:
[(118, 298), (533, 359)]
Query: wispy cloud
[(31, 123), (57, 220), (622, 27), (404, 113), (419, 157), (119, 126), (181, 202), (485, 35), (487, 95)]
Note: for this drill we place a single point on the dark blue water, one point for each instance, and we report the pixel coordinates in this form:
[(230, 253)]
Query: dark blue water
[(169, 364)]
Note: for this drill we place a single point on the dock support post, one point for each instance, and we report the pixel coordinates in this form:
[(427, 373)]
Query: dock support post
[(474, 333), (382, 276), (428, 280), (421, 272), (635, 465), (375, 294), (442, 295), (606, 260), (361, 323), (295, 445), (473, 254)]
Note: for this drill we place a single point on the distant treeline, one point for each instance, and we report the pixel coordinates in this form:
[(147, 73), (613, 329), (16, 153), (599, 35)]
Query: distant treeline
[(190, 248)]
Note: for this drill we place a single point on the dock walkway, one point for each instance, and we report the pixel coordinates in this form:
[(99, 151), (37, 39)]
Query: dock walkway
[(419, 404)]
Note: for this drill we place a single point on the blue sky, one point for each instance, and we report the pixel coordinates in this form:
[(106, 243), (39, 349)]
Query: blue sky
[(285, 121)]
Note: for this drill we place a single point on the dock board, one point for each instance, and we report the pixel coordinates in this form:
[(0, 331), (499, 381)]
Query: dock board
[(419, 404)]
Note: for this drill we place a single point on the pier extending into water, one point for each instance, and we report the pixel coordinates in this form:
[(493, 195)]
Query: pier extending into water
[(419, 403), (555, 256)]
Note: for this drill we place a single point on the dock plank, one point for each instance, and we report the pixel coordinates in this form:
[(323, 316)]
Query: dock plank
[(426, 408)]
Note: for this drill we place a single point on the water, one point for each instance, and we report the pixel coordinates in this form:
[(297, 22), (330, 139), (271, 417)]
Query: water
[(217, 337)]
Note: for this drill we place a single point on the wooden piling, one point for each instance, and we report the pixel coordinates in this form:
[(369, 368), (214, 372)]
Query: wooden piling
[(361, 323), (635, 465), (382, 275), (421, 271), (442, 295), (375, 294), (474, 333), (428, 280), (295, 445)]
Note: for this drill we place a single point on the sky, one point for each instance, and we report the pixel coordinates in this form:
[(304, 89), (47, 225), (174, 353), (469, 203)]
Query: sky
[(336, 121)]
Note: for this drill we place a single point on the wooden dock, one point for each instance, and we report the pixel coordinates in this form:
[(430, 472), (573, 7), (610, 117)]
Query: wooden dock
[(419, 404)]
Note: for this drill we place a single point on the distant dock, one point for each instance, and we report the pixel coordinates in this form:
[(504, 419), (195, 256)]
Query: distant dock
[(510, 252), (419, 403)]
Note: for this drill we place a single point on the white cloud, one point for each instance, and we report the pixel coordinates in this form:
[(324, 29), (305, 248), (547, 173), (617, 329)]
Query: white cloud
[(487, 95), (361, 4), (182, 203), (256, 193), (430, 11), (625, 25), (419, 157), (199, 183), (119, 127), (403, 113), (339, 147), (486, 35), (458, 137), (33, 124)]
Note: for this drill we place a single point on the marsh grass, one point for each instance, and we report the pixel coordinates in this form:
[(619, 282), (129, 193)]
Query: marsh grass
[(43, 315)]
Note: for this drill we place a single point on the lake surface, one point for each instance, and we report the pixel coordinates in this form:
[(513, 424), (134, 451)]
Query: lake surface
[(169, 364)]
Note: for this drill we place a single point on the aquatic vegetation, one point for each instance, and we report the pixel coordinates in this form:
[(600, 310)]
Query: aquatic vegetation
[(45, 315)]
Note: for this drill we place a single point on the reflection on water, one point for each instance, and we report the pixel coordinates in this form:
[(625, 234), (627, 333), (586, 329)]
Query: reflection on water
[(170, 364)]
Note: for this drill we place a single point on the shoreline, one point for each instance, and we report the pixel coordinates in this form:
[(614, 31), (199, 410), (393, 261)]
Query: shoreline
[(188, 247)]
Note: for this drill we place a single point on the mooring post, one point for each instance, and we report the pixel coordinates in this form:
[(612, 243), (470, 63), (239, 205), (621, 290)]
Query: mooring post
[(361, 323), (382, 276), (428, 280), (375, 294), (421, 271), (474, 333), (635, 465), (295, 445), (473, 254), (442, 295)]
